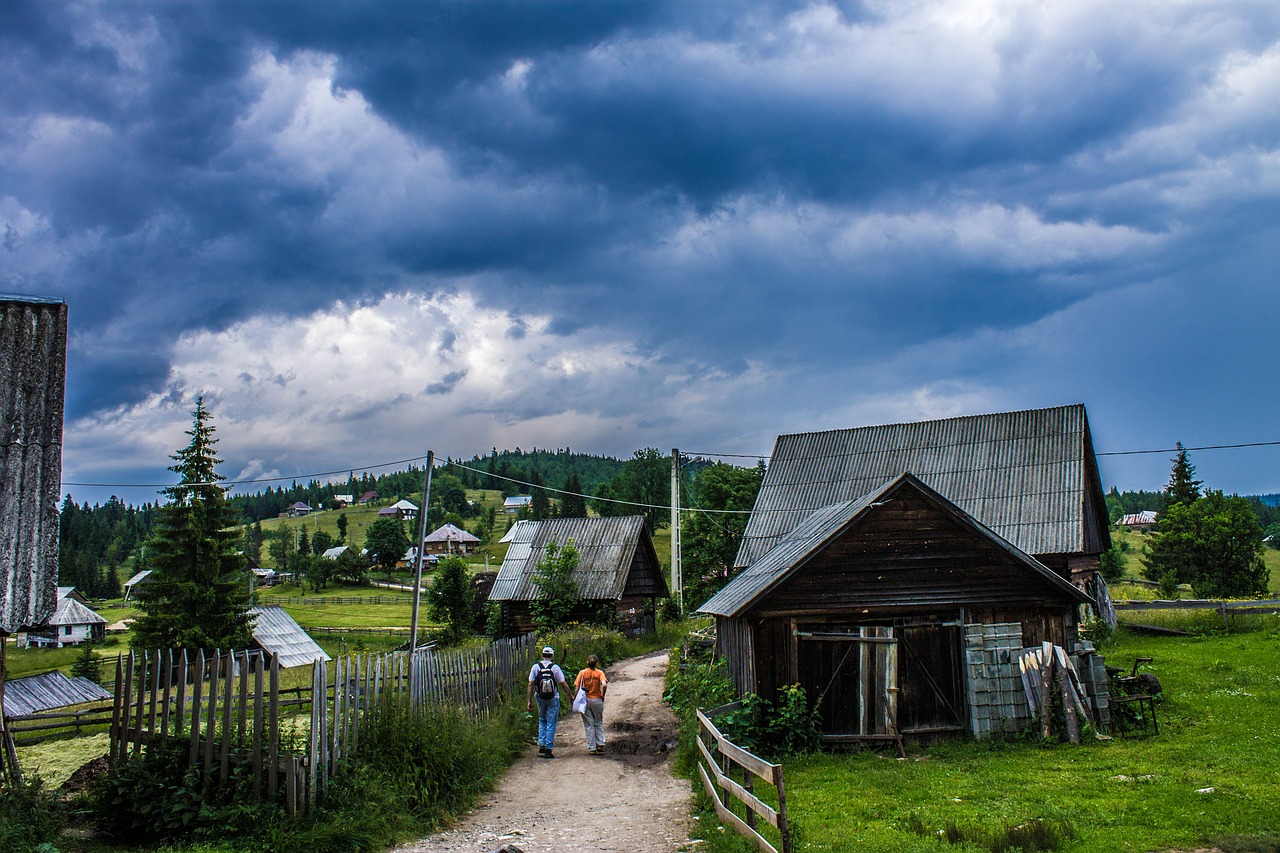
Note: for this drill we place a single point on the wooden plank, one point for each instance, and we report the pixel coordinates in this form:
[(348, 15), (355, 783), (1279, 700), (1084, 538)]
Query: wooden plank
[(749, 799), (735, 753), (197, 682), (118, 702), (1046, 673), (141, 679), (273, 728), (257, 735), (784, 828), (224, 769), (211, 715), (738, 824), (155, 694), (182, 691), (242, 718)]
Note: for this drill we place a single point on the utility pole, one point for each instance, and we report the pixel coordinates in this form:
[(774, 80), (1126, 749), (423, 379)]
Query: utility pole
[(677, 582), (422, 546)]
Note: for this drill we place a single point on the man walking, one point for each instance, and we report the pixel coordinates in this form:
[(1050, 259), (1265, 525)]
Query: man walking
[(545, 681)]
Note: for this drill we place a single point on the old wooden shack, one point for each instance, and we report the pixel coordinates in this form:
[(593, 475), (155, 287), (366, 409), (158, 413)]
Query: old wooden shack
[(617, 569), (869, 551)]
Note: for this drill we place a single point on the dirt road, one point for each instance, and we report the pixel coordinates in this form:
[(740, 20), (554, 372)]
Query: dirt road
[(626, 800)]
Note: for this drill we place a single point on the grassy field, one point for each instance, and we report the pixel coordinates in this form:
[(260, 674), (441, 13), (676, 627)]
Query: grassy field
[(1208, 777), (1135, 545)]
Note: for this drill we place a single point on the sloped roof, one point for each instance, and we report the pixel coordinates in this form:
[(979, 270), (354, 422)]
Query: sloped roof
[(514, 532), (139, 577), (35, 694), (1147, 516), (808, 538), (606, 548), (1027, 475), (517, 500), (276, 632), (404, 504), (72, 612), (335, 552), (299, 505), (450, 533)]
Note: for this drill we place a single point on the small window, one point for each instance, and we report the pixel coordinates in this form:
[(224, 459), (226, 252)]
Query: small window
[(66, 631)]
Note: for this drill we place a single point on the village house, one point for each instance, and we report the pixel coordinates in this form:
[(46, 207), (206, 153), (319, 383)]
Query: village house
[(401, 509), (343, 500), (72, 623), (298, 510), (877, 560), (618, 571), (368, 497), (450, 539)]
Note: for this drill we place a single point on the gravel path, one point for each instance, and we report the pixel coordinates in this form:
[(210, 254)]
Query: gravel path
[(626, 800)]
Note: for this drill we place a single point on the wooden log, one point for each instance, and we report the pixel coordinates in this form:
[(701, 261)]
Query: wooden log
[(1046, 673), (784, 829), (1068, 706)]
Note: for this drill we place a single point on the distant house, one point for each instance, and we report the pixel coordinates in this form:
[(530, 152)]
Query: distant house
[(276, 632), (299, 509), (400, 509), (368, 497), (515, 503), (335, 552), (344, 500), (450, 539), (876, 560), (72, 623), (1144, 520), (617, 567), (73, 593), (410, 559)]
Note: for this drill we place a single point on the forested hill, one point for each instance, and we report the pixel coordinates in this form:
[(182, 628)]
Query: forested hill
[(503, 470)]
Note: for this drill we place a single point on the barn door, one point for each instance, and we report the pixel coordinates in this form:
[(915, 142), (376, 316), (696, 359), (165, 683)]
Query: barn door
[(852, 676), (932, 694)]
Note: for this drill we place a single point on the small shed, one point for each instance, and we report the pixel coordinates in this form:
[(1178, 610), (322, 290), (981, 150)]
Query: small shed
[(450, 539), (865, 603), (344, 500), (299, 509), (368, 497), (617, 567), (134, 582), (276, 632)]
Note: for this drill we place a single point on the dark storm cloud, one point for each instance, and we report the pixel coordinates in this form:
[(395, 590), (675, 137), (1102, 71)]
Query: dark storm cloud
[(797, 184)]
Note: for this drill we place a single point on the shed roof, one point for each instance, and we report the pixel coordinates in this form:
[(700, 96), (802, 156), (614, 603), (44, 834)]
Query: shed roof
[(276, 632), (1030, 476), (404, 504), (606, 549), (796, 548), (1147, 516), (139, 577), (72, 612), (35, 694), (450, 533), (518, 500)]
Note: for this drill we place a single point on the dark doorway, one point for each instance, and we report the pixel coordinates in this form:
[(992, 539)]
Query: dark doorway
[(930, 682)]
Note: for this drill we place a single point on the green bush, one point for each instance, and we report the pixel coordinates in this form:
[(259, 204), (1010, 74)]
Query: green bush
[(30, 816)]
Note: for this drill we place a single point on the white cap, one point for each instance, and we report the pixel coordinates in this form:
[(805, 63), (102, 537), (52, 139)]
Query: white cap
[(547, 651)]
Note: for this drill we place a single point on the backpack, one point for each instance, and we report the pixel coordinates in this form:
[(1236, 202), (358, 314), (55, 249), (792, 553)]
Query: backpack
[(546, 680)]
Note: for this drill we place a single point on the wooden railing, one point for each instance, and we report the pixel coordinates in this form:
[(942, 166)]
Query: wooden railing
[(54, 724), (720, 757)]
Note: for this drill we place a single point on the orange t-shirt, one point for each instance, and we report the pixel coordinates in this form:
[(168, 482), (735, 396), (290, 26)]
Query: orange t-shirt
[(593, 681)]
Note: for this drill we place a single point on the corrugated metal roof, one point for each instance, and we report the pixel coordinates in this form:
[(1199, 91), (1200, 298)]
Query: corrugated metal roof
[(606, 548), (276, 632), (1147, 516), (139, 577), (1023, 474), (33, 366), (35, 694), (72, 612), (794, 549)]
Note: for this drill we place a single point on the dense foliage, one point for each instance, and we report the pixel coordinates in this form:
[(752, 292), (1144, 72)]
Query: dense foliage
[(710, 539), (450, 598), (1213, 543), (386, 542), (196, 596), (641, 487), (96, 541), (557, 589)]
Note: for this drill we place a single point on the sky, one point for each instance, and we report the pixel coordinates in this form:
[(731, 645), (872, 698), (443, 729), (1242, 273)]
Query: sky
[(362, 231)]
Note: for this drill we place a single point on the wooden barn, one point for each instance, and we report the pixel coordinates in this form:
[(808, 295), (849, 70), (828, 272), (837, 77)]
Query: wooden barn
[(617, 567), (873, 556)]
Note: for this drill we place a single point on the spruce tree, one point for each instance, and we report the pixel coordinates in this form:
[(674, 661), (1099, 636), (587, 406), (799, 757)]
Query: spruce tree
[(1183, 488), (572, 504), (195, 597)]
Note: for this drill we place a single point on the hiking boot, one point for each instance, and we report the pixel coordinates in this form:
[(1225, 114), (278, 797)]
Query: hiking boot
[(548, 754), (542, 750)]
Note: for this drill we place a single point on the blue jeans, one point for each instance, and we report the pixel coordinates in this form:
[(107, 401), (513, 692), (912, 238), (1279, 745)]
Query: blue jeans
[(548, 716)]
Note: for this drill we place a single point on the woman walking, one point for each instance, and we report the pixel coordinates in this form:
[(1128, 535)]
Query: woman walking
[(593, 681)]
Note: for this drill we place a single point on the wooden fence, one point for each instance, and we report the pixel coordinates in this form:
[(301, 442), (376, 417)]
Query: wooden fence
[(1224, 608), (28, 729), (717, 778), (230, 710)]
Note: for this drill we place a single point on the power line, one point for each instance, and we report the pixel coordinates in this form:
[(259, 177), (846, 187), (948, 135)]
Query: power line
[(1203, 447)]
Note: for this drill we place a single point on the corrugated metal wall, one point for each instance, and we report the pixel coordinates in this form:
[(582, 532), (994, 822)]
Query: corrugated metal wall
[(33, 364)]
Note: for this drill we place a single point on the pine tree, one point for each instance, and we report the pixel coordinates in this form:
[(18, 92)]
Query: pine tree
[(572, 504), (1183, 488), (194, 598)]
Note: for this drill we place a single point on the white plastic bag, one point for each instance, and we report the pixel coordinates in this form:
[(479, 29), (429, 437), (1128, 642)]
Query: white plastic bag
[(580, 701)]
